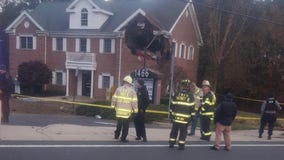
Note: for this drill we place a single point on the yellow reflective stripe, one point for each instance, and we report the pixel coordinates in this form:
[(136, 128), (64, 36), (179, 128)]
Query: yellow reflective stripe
[(208, 102), (112, 106), (178, 121), (181, 115), (183, 103), (207, 134), (181, 142), (121, 109), (208, 113), (193, 114), (125, 98), (172, 139), (120, 116)]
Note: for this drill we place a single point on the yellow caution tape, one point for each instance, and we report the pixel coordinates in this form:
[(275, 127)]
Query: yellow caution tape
[(109, 107)]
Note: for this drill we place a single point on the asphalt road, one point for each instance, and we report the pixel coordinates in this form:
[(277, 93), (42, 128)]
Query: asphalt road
[(13, 150)]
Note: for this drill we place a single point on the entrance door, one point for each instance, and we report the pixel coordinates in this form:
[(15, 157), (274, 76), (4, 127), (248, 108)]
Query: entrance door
[(86, 83)]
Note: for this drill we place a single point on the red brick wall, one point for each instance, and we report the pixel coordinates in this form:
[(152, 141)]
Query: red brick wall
[(184, 32), (106, 63)]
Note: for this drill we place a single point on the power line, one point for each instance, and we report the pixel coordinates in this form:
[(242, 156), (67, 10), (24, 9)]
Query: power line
[(240, 14)]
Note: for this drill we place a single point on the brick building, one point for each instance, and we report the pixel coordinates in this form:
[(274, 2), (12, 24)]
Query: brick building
[(82, 42)]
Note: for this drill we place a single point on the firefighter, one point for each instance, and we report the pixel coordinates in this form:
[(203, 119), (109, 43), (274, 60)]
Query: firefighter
[(197, 92), (206, 110), (181, 108), (124, 101), (268, 111)]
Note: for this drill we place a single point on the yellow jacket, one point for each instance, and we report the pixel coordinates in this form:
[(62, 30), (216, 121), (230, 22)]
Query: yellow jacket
[(124, 101)]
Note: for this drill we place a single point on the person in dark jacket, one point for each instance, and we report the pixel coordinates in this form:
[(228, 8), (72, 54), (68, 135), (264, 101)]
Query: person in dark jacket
[(6, 87), (143, 103), (269, 109), (224, 117)]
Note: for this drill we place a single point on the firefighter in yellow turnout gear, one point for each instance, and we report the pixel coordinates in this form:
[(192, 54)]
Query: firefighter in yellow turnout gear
[(124, 101), (207, 109), (181, 110)]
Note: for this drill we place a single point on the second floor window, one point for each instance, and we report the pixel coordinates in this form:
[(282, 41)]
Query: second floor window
[(83, 45), (84, 17), (107, 45), (59, 44), (26, 42)]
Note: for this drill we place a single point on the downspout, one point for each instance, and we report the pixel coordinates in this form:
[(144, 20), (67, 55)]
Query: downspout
[(45, 61), (120, 59)]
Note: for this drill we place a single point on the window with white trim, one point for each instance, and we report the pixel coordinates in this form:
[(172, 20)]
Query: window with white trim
[(83, 45), (105, 81), (190, 52), (174, 51), (182, 53), (84, 17), (107, 45), (26, 42), (59, 44), (59, 78)]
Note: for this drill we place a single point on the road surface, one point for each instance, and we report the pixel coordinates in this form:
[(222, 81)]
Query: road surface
[(68, 150)]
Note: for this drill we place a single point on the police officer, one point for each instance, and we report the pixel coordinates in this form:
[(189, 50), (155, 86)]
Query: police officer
[(124, 101), (139, 119), (206, 110), (181, 108), (268, 110), (6, 87)]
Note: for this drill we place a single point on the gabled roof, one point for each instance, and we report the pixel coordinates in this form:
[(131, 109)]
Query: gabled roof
[(95, 7), (20, 18), (52, 16)]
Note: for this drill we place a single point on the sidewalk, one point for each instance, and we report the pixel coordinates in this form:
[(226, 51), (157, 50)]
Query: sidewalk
[(25, 127)]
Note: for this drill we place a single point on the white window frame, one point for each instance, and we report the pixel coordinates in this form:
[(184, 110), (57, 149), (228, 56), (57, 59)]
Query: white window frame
[(78, 44), (86, 20), (54, 44), (102, 43), (190, 54), (100, 81), (176, 47), (184, 51), (54, 78), (18, 42)]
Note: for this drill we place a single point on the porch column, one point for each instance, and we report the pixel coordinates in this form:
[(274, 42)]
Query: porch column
[(67, 83), (92, 84)]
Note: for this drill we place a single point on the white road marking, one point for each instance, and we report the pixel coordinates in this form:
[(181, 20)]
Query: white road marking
[(129, 146), (105, 123)]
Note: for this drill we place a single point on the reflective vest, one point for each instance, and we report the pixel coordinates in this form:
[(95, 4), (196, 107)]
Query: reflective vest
[(124, 101), (182, 107), (207, 104)]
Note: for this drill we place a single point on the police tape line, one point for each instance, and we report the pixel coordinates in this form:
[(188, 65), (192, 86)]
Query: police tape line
[(109, 107), (250, 99)]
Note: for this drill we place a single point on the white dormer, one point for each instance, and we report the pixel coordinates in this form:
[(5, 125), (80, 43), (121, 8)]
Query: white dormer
[(85, 14)]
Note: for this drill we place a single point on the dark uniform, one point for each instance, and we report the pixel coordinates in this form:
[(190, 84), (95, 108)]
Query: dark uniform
[(182, 107), (207, 115), (6, 87), (143, 102), (268, 109)]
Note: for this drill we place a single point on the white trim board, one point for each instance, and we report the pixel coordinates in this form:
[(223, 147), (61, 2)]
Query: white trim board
[(20, 18)]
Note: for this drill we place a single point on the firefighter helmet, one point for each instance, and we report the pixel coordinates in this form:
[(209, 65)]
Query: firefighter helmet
[(128, 79), (185, 84), (206, 83)]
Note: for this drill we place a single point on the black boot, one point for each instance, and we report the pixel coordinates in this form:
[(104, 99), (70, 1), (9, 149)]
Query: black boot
[(181, 147)]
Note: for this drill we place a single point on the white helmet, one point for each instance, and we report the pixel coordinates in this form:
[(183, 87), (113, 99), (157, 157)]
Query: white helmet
[(128, 79), (206, 83)]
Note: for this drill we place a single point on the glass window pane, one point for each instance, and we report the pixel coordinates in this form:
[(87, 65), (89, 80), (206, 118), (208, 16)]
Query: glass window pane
[(106, 82), (59, 44), (107, 45), (59, 78), (83, 45)]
